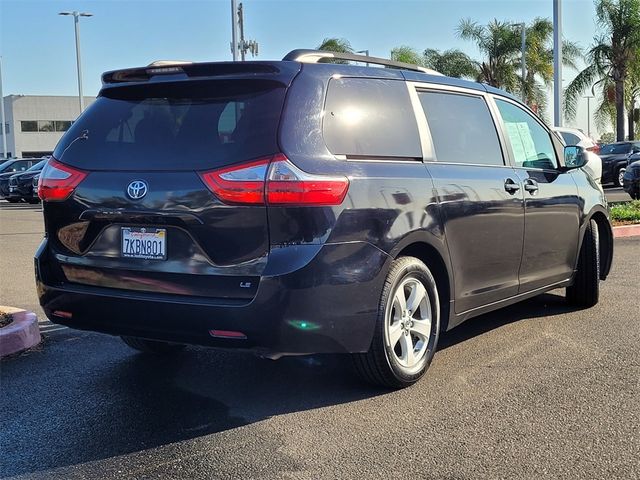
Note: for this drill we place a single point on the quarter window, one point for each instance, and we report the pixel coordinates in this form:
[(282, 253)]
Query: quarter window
[(530, 142), (461, 128), (371, 118)]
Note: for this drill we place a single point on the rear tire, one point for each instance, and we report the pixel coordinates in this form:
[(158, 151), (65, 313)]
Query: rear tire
[(585, 290), (13, 200), (407, 327), (152, 346)]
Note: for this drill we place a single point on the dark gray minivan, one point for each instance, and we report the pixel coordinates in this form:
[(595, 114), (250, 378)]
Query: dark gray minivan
[(294, 207)]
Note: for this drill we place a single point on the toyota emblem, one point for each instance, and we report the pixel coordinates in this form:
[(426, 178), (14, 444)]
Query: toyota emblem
[(137, 189)]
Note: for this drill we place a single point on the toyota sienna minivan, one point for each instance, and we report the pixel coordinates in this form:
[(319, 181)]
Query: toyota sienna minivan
[(296, 207)]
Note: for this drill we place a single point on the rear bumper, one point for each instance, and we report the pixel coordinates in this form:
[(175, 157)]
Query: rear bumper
[(329, 304)]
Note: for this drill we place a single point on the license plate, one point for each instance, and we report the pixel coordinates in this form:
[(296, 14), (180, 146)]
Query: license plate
[(149, 243)]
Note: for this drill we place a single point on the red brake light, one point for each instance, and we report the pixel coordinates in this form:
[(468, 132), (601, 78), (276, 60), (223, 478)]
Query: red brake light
[(58, 181), (274, 181), (595, 149)]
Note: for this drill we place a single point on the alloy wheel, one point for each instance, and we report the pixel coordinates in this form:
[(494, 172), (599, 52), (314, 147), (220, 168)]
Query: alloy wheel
[(408, 323)]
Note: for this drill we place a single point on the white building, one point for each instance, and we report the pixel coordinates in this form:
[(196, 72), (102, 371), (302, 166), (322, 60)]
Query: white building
[(35, 123)]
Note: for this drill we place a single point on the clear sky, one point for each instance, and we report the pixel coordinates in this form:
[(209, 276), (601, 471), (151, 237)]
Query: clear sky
[(38, 50)]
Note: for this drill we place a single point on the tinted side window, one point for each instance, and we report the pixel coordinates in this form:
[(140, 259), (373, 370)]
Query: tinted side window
[(19, 166), (531, 144), (461, 128), (370, 118)]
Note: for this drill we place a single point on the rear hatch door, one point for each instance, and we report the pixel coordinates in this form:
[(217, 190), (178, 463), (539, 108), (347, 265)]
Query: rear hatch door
[(143, 218)]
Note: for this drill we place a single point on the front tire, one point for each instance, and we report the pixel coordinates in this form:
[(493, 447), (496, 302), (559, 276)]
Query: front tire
[(407, 327), (152, 346), (585, 291), (617, 179)]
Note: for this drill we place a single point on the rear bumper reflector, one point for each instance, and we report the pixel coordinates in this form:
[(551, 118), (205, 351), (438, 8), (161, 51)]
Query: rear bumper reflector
[(227, 334)]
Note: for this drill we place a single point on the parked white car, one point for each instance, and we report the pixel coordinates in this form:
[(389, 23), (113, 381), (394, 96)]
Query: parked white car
[(573, 136)]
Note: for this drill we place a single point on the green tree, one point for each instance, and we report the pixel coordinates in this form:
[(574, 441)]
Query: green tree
[(539, 60), (338, 45), (608, 137), (452, 63), (632, 93), (499, 44), (610, 57), (407, 55)]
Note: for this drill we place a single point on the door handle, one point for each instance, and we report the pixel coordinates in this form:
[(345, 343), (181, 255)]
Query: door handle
[(511, 186), (531, 186)]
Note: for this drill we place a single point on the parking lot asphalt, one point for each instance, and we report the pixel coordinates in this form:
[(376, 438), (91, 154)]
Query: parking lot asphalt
[(616, 194), (536, 390)]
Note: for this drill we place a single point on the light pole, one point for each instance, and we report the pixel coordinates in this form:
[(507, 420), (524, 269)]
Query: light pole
[(76, 16), (557, 63), (234, 30), (4, 130), (588, 97), (366, 52), (523, 60)]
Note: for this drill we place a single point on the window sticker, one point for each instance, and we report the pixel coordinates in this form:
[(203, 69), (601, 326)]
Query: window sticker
[(521, 141)]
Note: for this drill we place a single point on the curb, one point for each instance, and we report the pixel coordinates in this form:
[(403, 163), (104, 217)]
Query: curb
[(626, 231), (21, 333)]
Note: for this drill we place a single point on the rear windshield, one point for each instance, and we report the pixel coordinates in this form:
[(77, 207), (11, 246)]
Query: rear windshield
[(179, 126), (615, 148)]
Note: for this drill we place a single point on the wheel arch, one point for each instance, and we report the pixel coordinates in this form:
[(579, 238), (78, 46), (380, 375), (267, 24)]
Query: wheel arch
[(605, 232), (434, 259)]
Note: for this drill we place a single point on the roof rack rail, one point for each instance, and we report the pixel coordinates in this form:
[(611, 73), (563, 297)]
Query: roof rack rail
[(313, 56)]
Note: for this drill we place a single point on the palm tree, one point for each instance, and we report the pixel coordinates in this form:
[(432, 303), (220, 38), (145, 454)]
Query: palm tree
[(632, 92), (610, 57), (407, 55), (452, 63), (499, 43), (539, 61), (338, 45)]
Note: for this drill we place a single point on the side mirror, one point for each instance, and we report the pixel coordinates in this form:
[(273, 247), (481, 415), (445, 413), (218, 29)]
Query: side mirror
[(574, 157)]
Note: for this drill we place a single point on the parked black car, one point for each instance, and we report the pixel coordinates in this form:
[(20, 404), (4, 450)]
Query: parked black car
[(615, 157), (9, 168), (631, 180), (293, 207), (21, 184)]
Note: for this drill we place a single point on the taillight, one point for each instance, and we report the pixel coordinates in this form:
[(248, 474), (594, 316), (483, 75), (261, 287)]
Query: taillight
[(288, 185), (58, 181), (241, 184), (595, 149), (274, 181)]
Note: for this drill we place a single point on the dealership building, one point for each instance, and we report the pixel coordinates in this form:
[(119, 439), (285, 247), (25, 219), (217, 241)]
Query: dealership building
[(35, 123)]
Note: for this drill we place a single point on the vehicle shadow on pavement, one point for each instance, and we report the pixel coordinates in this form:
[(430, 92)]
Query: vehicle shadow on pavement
[(548, 304), (88, 398)]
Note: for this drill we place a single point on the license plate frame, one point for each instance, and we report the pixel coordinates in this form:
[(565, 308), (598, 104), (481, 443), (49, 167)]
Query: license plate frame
[(146, 243)]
